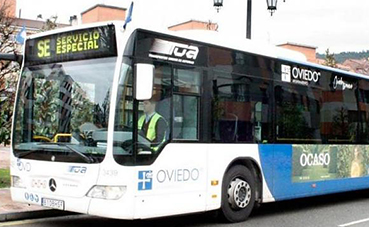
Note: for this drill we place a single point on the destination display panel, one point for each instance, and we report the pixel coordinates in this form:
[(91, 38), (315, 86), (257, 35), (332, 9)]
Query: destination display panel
[(74, 45)]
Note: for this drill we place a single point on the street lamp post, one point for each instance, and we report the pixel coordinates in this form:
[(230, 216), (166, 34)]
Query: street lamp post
[(248, 20), (218, 4), (272, 6)]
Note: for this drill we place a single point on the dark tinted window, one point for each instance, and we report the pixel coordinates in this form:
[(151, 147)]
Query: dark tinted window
[(363, 93), (241, 104), (340, 110), (241, 109), (298, 115)]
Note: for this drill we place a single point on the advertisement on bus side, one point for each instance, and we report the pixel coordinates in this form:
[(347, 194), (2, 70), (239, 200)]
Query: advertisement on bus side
[(327, 162)]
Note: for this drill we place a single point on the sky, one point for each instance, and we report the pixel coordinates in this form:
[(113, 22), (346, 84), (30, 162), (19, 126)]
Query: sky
[(339, 25)]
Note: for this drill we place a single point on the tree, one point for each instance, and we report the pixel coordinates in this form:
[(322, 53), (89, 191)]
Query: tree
[(8, 72), (330, 59)]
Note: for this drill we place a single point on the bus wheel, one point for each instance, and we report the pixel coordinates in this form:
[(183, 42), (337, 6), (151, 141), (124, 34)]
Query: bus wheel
[(238, 194)]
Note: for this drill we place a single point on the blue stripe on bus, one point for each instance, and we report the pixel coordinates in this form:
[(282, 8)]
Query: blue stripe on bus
[(276, 161)]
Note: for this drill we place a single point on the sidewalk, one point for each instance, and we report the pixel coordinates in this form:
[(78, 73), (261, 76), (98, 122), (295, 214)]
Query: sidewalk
[(4, 157), (11, 211)]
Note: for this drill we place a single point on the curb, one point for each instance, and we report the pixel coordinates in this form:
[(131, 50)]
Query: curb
[(16, 216)]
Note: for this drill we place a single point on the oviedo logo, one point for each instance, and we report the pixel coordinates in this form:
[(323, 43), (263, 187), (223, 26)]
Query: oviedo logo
[(298, 75), (172, 51), (23, 166), (147, 178), (144, 180)]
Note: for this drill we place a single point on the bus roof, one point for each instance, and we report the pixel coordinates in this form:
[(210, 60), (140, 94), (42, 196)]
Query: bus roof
[(252, 46), (240, 43), (217, 39)]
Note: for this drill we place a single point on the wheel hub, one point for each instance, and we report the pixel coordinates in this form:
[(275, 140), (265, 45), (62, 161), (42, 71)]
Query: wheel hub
[(239, 193)]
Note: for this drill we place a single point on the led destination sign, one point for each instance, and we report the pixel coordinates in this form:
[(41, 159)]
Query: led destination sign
[(74, 45)]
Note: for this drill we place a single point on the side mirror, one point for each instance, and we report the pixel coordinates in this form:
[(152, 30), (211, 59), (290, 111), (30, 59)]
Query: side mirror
[(144, 81)]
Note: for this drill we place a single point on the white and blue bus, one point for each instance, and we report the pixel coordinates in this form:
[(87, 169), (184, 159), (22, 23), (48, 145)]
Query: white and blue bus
[(245, 124)]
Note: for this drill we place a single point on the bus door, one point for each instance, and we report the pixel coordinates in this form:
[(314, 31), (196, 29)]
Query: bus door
[(175, 159)]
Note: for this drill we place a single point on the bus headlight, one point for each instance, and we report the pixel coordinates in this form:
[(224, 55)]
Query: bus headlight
[(107, 192), (17, 182)]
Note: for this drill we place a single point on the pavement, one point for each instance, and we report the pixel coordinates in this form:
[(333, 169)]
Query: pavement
[(12, 211)]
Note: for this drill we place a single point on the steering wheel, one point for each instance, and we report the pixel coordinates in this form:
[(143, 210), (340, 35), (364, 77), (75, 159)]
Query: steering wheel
[(128, 146)]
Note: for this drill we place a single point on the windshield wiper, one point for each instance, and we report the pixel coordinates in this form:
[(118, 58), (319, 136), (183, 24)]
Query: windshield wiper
[(22, 155), (88, 159), (27, 152)]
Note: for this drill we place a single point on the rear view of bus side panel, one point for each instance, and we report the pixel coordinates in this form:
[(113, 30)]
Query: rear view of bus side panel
[(320, 133), (284, 183)]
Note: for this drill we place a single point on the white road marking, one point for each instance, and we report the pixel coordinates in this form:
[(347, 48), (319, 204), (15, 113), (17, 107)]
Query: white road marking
[(354, 222)]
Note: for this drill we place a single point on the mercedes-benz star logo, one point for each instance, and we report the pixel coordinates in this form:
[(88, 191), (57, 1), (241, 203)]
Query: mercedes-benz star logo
[(52, 185)]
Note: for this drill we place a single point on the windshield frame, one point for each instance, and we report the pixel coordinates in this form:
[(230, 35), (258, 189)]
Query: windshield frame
[(52, 154)]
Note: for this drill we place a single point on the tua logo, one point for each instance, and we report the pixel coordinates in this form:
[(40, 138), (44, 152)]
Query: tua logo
[(187, 51), (173, 50), (144, 180), (77, 169)]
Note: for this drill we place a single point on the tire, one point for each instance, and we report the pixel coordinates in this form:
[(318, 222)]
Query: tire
[(238, 194)]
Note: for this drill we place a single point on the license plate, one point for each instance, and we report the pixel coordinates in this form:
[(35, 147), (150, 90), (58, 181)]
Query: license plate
[(52, 203)]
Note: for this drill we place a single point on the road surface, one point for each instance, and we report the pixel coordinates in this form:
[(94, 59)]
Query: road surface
[(338, 210)]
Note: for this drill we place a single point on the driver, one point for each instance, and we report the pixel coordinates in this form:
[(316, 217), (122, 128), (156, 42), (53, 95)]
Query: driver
[(152, 125)]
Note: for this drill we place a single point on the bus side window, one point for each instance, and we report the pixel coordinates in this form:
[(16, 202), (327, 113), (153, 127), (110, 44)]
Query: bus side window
[(185, 120), (186, 90), (298, 114), (241, 109)]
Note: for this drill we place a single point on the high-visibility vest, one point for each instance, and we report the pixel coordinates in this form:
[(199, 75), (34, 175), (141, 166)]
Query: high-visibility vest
[(151, 132)]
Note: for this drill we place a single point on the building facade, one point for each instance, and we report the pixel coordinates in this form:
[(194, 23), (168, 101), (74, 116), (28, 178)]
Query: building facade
[(102, 12), (194, 25)]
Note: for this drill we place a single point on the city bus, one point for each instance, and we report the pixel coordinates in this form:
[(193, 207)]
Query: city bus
[(245, 124)]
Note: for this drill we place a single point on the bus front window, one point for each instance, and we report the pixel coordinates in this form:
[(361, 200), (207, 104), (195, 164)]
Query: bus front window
[(63, 110)]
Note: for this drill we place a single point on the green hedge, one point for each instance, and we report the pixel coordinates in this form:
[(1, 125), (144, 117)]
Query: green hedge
[(4, 178)]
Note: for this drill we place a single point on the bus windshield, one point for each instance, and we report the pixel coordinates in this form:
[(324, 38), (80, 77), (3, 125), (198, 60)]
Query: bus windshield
[(62, 111)]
